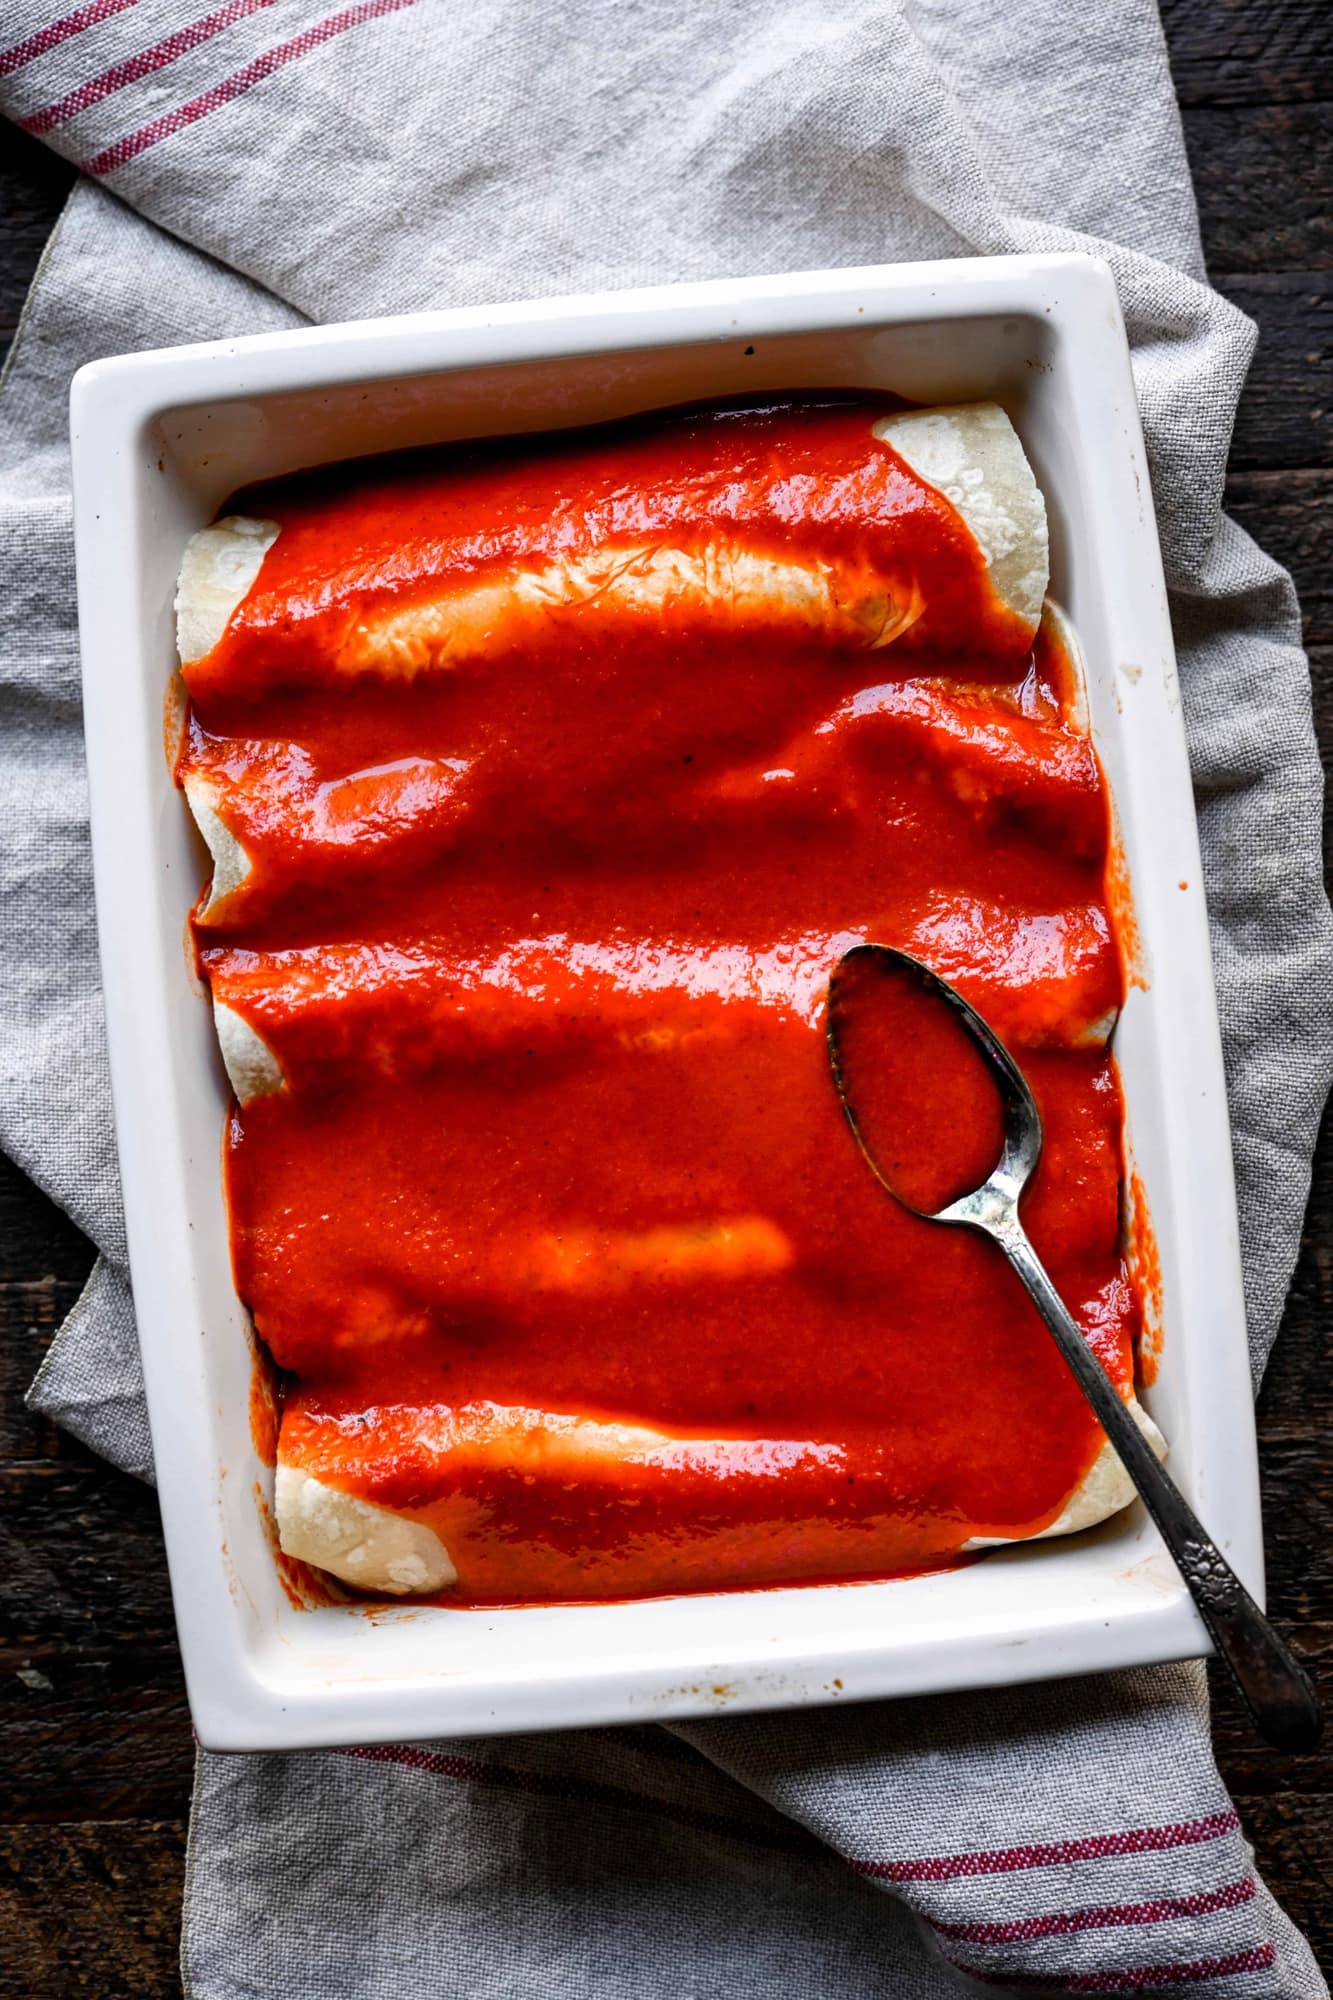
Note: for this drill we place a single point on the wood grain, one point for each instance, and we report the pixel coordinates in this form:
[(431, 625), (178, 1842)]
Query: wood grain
[(1286, 416), (92, 1909), (1239, 156), (1240, 52), (33, 186), (1291, 515), (92, 1811)]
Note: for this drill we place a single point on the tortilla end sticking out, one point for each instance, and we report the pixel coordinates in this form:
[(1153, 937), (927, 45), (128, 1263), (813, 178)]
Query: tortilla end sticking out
[(251, 1066), (217, 571), (370, 1547), (1103, 1490), (231, 863), (377, 1549), (972, 455), (1058, 624), (1095, 1034)]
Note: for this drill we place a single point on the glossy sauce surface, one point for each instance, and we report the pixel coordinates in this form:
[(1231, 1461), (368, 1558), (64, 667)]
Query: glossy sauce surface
[(541, 941)]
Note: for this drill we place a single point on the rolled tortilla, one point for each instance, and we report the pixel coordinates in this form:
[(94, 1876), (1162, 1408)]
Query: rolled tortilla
[(515, 1274), (995, 758), (231, 862), (1104, 1489), (1058, 627), (253, 1070), (265, 796), (376, 1548), (217, 573), (393, 626), (243, 795), (370, 1547), (703, 553), (1043, 980), (586, 1260), (971, 454), (464, 1451), (643, 587)]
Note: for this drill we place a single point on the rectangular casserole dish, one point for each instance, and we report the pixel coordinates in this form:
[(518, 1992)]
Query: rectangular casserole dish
[(160, 440)]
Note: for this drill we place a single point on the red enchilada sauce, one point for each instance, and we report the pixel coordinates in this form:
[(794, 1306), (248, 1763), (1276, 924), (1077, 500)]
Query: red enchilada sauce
[(540, 937)]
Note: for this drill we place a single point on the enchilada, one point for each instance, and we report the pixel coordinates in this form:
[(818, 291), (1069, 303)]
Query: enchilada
[(544, 783)]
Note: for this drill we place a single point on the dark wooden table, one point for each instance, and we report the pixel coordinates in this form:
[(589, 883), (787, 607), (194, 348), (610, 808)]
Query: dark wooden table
[(94, 1800)]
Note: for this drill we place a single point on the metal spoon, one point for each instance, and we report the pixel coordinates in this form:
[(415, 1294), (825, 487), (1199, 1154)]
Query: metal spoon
[(1274, 1686)]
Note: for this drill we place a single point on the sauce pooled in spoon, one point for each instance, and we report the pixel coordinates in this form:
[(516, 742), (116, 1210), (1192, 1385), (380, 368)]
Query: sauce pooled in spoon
[(918, 1091)]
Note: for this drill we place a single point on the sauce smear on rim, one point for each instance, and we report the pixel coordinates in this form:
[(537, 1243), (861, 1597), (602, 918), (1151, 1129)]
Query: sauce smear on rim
[(556, 1226)]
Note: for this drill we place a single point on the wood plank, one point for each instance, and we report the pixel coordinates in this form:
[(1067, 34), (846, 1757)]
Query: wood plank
[(1249, 51), (92, 1909), (92, 1699), (33, 186), (1298, 1513), (85, 1568), (44, 1261), (1238, 155), (1286, 414), (107, 1739), (1249, 1767), (1290, 514), (35, 1237), (30, 1313), (1296, 1400)]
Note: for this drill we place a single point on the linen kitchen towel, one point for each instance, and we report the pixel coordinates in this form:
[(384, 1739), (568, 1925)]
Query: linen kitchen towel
[(273, 160)]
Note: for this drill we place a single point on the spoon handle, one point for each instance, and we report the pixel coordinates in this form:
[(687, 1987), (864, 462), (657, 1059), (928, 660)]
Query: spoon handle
[(1274, 1686)]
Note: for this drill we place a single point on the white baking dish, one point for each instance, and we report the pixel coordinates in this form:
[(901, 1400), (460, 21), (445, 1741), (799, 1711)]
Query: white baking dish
[(160, 440)]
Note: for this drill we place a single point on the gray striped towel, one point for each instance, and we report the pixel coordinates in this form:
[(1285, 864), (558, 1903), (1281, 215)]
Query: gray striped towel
[(268, 161)]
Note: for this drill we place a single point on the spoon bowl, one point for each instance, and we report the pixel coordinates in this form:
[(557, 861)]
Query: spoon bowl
[(1022, 1120)]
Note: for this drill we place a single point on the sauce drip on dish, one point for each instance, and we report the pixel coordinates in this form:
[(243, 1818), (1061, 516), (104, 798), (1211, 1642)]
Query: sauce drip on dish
[(555, 1224)]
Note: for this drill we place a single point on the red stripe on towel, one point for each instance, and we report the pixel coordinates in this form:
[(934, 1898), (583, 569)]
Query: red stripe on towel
[(1050, 1854), (1255, 1958), (1187, 1972), (134, 143), (938, 1868), (59, 31), (1103, 1916), (588, 1791), (141, 65)]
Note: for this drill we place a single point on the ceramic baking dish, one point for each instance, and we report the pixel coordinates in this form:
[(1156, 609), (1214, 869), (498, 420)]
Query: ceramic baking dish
[(160, 440)]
